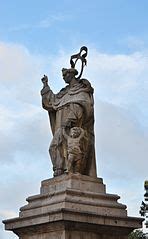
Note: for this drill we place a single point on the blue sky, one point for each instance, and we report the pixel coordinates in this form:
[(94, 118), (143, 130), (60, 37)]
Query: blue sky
[(38, 37), (105, 24)]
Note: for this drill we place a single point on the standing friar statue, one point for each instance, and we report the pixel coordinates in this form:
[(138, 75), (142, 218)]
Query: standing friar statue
[(71, 114)]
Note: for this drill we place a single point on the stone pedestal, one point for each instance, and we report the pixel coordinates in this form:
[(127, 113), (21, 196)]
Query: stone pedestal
[(73, 206)]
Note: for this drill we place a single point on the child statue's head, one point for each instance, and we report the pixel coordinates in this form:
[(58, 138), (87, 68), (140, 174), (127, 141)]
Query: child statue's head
[(75, 132)]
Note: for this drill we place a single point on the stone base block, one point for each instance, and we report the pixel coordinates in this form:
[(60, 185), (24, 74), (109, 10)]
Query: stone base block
[(73, 206)]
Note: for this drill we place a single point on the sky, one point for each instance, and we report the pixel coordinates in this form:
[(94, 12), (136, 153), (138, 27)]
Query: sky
[(37, 38)]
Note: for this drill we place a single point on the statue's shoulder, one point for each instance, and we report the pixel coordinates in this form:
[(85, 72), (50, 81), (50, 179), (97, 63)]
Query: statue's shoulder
[(86, 84), (62, 92)]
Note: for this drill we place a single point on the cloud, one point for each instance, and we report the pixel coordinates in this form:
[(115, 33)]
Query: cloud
[(117, 73), (121, 141), (19, 61), (23, 123), (25, 132), (8, 214)]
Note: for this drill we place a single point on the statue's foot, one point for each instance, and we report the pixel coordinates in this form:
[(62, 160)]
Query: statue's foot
[(58, 172)]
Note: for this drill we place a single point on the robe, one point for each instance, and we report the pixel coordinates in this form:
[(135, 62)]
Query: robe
[(73, 106)]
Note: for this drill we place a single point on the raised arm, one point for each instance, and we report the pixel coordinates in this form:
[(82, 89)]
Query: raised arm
[(47, 95)]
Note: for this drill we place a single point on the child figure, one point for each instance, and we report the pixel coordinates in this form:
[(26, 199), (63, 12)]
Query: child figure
[(76, 149)]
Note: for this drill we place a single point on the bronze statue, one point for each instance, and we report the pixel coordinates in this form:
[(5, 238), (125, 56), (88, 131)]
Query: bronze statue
[(72, 109)]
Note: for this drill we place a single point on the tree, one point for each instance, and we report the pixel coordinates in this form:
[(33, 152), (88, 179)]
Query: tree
[(136, 234)]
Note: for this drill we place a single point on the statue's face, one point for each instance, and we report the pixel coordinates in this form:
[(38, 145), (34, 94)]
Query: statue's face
[(67, 76), (75, 132)]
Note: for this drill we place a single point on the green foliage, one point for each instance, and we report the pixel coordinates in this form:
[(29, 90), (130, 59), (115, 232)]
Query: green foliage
[(136, 234)]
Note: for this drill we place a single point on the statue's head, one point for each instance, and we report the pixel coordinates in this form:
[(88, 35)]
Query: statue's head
[(75, 132), (69, 74)]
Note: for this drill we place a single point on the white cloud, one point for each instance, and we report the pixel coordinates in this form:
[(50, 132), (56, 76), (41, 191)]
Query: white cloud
[(21, 120), (121, 140), (118, 74), (16, 63), (24, 132), (8, 214)]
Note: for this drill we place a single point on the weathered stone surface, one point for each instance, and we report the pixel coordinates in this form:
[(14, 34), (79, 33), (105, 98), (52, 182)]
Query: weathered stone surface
[(74, 181), (73, 206), (77, 192)]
